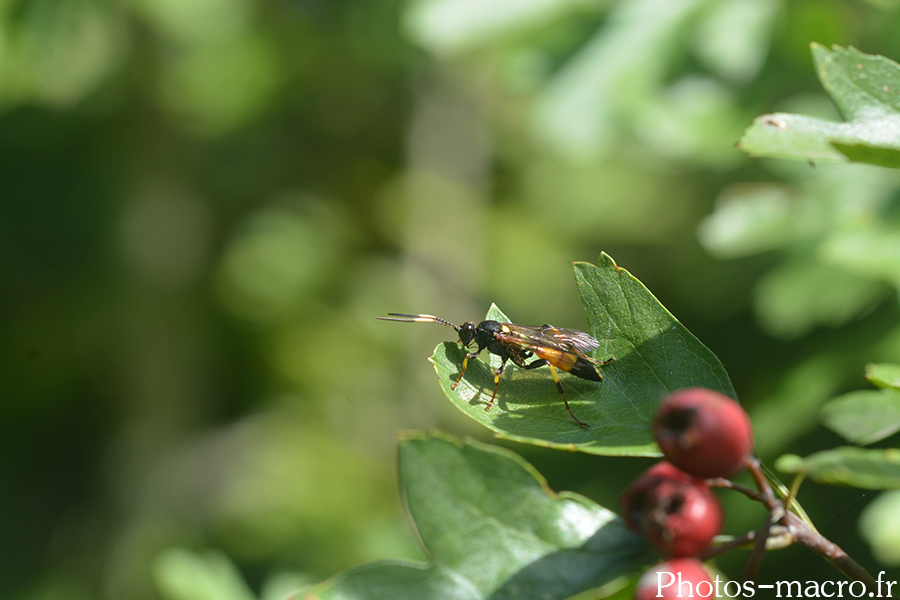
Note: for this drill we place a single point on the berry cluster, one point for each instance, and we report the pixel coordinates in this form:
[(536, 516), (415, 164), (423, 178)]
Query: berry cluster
[(702, 434)]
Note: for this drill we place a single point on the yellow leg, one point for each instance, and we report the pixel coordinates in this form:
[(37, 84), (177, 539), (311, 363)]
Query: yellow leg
[(497, 374), (463, 370)]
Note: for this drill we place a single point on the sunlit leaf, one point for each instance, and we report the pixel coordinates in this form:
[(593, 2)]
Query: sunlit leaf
[(281, 585), (801, 294), (850, 466), (450, 26), (193, 81), (865, 90), (864, 416), (749, 219), (654, 355), (611, 74), (694, 118), (60, 52), (733, 38), (879, 524), (884, 375), (183, 574), (790, 410), (492, 530), (868, 249)]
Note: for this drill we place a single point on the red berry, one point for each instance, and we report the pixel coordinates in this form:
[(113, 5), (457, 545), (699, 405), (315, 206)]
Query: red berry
[(702, 432), (676, 578), (639, 493), (684, 519), (677, 513), (670, 471)]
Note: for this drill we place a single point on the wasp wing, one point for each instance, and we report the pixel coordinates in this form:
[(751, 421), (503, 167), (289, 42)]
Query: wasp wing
[(577, 340), (547, 336), (565, 349)]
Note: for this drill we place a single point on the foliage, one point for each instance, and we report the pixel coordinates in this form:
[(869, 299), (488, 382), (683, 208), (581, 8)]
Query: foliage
[(867, 416), (464, 508), (492, 530), (864, 88), (614, 312), (870, 469), (206, 203)]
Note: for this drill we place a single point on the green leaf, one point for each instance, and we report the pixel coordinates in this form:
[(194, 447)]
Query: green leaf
[(884, 375), (873, 155), (856, 467), (447, 27), (864, 416), (870, 250), (786, 413), (733, 36), (612, 74), (183, 574), (879, 524), (654, 355), (749, 219), (865, 90), (801, 294), (493, 530)]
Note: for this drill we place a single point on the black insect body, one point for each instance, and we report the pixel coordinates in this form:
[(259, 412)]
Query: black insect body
[(563, 349)]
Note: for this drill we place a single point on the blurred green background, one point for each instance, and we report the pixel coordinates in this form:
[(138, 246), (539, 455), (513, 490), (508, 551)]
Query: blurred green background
[(205, 203)]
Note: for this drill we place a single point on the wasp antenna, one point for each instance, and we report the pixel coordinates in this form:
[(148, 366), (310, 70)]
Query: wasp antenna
[(405, 318)]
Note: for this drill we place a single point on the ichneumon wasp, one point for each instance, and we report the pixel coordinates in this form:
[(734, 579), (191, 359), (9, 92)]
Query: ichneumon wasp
[(558, 348)]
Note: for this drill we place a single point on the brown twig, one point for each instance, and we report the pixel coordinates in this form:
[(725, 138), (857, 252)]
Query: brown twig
[(830, 551), (795, 529), (779, 537), (728, 484)]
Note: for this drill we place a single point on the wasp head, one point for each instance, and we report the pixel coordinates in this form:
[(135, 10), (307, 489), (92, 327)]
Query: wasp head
[(467, 332)]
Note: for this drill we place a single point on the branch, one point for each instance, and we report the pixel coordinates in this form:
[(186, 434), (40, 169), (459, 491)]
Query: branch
[(795, 529), (830, 551)]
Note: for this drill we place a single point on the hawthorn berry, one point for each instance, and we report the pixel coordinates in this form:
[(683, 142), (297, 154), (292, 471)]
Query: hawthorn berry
[(676, 578), (638, 494), (677, 513), (703, 432)]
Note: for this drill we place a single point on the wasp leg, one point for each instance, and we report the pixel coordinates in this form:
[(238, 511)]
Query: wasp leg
[(463, 370), (563, 394), (497, 374)]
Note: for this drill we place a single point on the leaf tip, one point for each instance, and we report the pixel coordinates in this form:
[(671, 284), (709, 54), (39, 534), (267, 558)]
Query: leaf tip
[(789, 463), (402, 435), (606, 257)]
